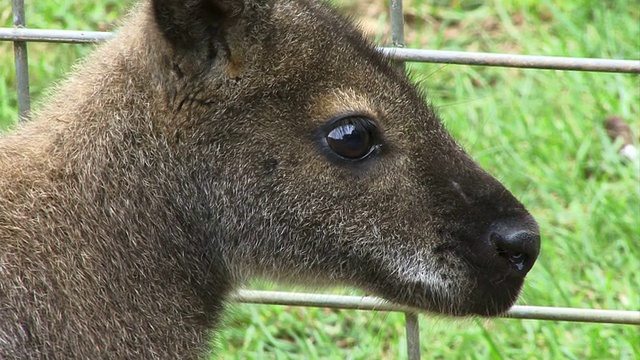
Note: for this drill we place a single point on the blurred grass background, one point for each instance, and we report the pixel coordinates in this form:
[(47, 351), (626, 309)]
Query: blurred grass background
[(538, 131)]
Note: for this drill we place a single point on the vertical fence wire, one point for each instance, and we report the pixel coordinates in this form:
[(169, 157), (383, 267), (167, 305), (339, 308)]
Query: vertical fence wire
[(412, 327), (396, 17), (21, 62)]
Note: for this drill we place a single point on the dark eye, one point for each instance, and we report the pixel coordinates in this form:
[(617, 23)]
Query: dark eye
[(352, 137)]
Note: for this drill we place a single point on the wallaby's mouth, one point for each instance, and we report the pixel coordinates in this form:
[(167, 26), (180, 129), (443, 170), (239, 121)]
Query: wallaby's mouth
[(493, 295)]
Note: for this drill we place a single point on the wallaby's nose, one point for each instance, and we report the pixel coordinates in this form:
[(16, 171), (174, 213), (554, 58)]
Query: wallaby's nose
[(517, 243)]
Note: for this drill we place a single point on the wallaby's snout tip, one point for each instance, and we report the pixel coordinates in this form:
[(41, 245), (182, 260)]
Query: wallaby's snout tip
[(516, 244)]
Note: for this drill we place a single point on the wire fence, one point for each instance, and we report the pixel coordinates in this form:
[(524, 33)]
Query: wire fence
[(20, 35)]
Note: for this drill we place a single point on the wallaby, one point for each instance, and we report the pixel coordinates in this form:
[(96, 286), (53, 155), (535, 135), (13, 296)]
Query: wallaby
[(212, 141)]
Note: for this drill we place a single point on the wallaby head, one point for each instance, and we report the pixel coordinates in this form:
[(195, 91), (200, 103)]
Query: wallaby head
[(215, 140)]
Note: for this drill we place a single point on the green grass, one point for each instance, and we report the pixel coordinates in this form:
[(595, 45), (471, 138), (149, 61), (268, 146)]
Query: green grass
[(538, 131)]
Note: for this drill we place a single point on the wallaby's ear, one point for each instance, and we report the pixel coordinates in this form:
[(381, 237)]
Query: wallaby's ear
[(185, 23)]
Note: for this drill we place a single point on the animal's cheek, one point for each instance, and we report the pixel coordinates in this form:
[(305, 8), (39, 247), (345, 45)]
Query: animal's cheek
[(382, 197), (362, 204)]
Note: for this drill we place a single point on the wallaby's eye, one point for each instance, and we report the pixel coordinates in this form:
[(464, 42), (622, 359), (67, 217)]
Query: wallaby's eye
[(353, 137)]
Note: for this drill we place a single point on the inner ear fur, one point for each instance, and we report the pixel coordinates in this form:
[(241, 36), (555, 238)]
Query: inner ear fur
[(187, 23)]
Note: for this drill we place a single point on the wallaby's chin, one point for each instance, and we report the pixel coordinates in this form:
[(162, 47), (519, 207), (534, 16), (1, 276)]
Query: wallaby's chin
[(475, 294), (486, 299)]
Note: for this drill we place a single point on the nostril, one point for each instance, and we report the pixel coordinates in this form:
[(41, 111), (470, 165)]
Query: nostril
[(519, 247), (516, 260)]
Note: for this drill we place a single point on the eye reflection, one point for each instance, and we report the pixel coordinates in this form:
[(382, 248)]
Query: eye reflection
[(352, 137)]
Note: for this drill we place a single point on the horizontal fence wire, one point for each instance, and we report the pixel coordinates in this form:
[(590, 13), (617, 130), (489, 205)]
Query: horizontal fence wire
[(515, 61), (401, 54), (623, 317), (53, 36)]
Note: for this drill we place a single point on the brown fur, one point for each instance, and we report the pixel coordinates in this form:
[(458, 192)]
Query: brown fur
[(189, 153)]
